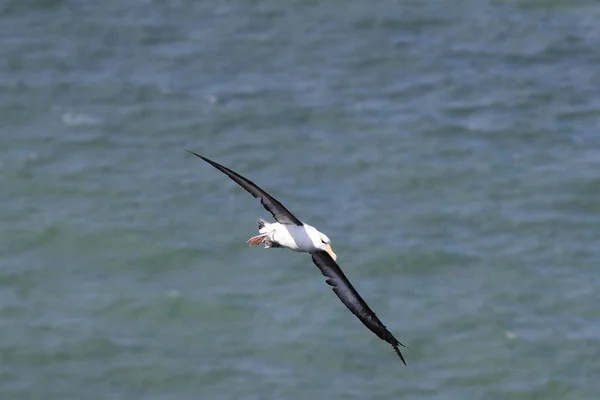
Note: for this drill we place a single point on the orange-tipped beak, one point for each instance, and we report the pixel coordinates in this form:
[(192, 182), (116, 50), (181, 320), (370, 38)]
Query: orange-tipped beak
[(331, 253)]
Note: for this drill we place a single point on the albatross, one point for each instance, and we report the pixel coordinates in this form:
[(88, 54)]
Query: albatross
[(291, 233)]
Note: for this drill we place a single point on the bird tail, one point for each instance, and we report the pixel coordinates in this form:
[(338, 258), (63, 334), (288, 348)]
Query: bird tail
[(256, 240)]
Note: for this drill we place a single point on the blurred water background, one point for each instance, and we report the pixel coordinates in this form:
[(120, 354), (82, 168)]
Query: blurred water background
[(450, 149)]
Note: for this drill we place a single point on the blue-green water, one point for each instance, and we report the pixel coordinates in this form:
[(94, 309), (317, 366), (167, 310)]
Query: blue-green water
[(450, 149)]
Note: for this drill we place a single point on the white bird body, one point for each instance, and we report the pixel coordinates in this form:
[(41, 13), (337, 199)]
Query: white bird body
[(303, 238)]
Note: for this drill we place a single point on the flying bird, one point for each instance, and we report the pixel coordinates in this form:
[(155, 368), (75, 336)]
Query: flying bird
[(291, 233)]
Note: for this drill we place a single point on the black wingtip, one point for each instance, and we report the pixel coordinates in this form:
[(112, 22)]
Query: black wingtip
[(397, 350), (196, 154), (211, 162)]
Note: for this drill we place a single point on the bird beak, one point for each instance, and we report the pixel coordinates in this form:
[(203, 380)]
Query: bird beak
[(331, 253)]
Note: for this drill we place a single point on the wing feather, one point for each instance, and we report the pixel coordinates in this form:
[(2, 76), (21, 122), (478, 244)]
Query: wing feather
[(351, 299), (279, 212)]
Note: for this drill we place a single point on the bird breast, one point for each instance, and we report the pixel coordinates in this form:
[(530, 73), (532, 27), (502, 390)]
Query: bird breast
[(294, 237)]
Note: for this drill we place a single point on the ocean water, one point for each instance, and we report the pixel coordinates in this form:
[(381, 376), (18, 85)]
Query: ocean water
[(450, 150)]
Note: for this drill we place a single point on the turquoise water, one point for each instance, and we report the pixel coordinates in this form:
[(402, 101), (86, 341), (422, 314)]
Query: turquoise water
[(449, 149)]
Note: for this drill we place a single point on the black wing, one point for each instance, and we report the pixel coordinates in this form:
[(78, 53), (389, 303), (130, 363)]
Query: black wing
[(350, 297), (280, 213)]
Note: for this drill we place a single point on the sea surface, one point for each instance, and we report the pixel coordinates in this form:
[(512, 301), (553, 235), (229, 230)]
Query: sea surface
[(450, 149)]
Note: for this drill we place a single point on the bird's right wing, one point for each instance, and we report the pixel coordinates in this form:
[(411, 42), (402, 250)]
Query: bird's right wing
[(279, 212), (351, 299)]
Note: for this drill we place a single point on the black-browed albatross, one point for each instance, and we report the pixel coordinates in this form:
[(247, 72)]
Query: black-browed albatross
[(291, 233)]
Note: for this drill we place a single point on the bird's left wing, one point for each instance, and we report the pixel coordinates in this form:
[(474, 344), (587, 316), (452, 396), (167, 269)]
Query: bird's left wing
[(271, 204), (351, 299)]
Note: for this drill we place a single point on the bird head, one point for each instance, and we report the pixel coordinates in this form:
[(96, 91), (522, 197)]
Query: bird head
[(326, 245)]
